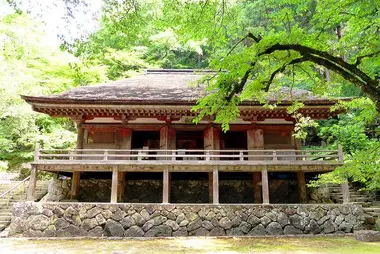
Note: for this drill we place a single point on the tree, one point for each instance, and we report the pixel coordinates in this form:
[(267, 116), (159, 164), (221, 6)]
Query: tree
[(33, 65), (289, 43)]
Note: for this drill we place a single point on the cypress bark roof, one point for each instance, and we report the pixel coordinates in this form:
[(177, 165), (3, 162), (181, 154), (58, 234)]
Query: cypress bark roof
[(160, 87)]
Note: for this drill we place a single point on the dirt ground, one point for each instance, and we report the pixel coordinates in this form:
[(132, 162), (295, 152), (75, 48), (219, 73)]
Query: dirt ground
[(198, 245)]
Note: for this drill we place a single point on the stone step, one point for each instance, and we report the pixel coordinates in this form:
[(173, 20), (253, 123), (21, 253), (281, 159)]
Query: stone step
[(371, 209), (373, 214)]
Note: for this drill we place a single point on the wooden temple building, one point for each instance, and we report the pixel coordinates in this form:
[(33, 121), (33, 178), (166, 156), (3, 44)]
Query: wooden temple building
[(141, 128)]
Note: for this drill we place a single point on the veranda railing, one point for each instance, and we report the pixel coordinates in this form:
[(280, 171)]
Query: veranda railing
[(179, 154)]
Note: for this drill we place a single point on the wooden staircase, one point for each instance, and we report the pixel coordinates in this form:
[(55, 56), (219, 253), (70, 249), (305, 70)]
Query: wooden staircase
[(16, 195)]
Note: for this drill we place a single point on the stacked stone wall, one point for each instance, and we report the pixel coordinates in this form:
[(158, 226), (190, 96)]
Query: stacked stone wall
[(151, 220), (182, 191)]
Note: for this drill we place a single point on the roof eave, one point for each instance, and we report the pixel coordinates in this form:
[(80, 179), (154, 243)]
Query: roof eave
[(51, 100)]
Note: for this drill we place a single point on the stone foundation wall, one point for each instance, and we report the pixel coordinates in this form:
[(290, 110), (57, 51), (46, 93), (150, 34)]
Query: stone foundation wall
[(32, 219), (182, 191), (143, 191)]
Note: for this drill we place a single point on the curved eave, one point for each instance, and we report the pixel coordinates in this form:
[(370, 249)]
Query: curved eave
[(59, 101), (79, 109)]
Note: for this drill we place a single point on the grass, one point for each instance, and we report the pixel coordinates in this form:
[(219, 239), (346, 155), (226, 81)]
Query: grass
[(334, 245)]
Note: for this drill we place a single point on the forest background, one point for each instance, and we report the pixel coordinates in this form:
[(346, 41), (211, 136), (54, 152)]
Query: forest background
[(328, 47)]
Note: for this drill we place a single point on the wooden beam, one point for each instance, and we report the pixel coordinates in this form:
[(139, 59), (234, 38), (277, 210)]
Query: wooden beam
[(265, 185), (257, 187), (75, 183), (346, 193), (166, 187), (215, 186), (31, 196), (115, 183), (301, 182)]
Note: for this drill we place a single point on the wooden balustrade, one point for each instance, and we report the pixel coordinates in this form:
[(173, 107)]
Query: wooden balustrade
[(195, 155), (260, 162)]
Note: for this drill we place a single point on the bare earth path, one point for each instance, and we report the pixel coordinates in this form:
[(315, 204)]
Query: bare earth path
[(334, 245)]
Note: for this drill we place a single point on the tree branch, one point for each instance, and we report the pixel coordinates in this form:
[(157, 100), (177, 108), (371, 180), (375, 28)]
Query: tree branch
[(360, 58), (256, 39), (307, 50), (282, 68)]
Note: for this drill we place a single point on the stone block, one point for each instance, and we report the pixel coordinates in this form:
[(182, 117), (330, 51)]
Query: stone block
[(114, 228), (134, 231), (159, 231), (258, 230), (274, 228), (225, 223), (367, 236), (217, 231)]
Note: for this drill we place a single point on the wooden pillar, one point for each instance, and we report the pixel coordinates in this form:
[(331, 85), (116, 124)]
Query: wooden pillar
[(115, 183), (215, 186), (166, 187), (124, 140), (167, 138), (167, 142), (301, 182), (295, 142), (211, 141), (210, 187), (265, 185), (32, 184), (257, 187), (80, 136), (255, 141), (345, 193), (75, 182), (211, 138), (121, 186)]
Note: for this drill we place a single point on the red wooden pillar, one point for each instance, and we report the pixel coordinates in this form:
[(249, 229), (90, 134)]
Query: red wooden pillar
[(167, 142), (211, 141), (255, 141)]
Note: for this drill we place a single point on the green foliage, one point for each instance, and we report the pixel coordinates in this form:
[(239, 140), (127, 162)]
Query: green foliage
[(358, 132), (363, 166), (32, 65)]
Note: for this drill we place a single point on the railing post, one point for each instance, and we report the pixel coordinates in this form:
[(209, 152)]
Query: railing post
[(307, 156), (71, 155), (139, 155), (105, 155), (37, 152), (241, 155), (274, 155), (207, 155), (340, 153), (173, 155)]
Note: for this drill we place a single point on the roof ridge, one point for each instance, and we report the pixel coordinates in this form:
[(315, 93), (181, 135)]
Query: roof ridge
[(178, 71)]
